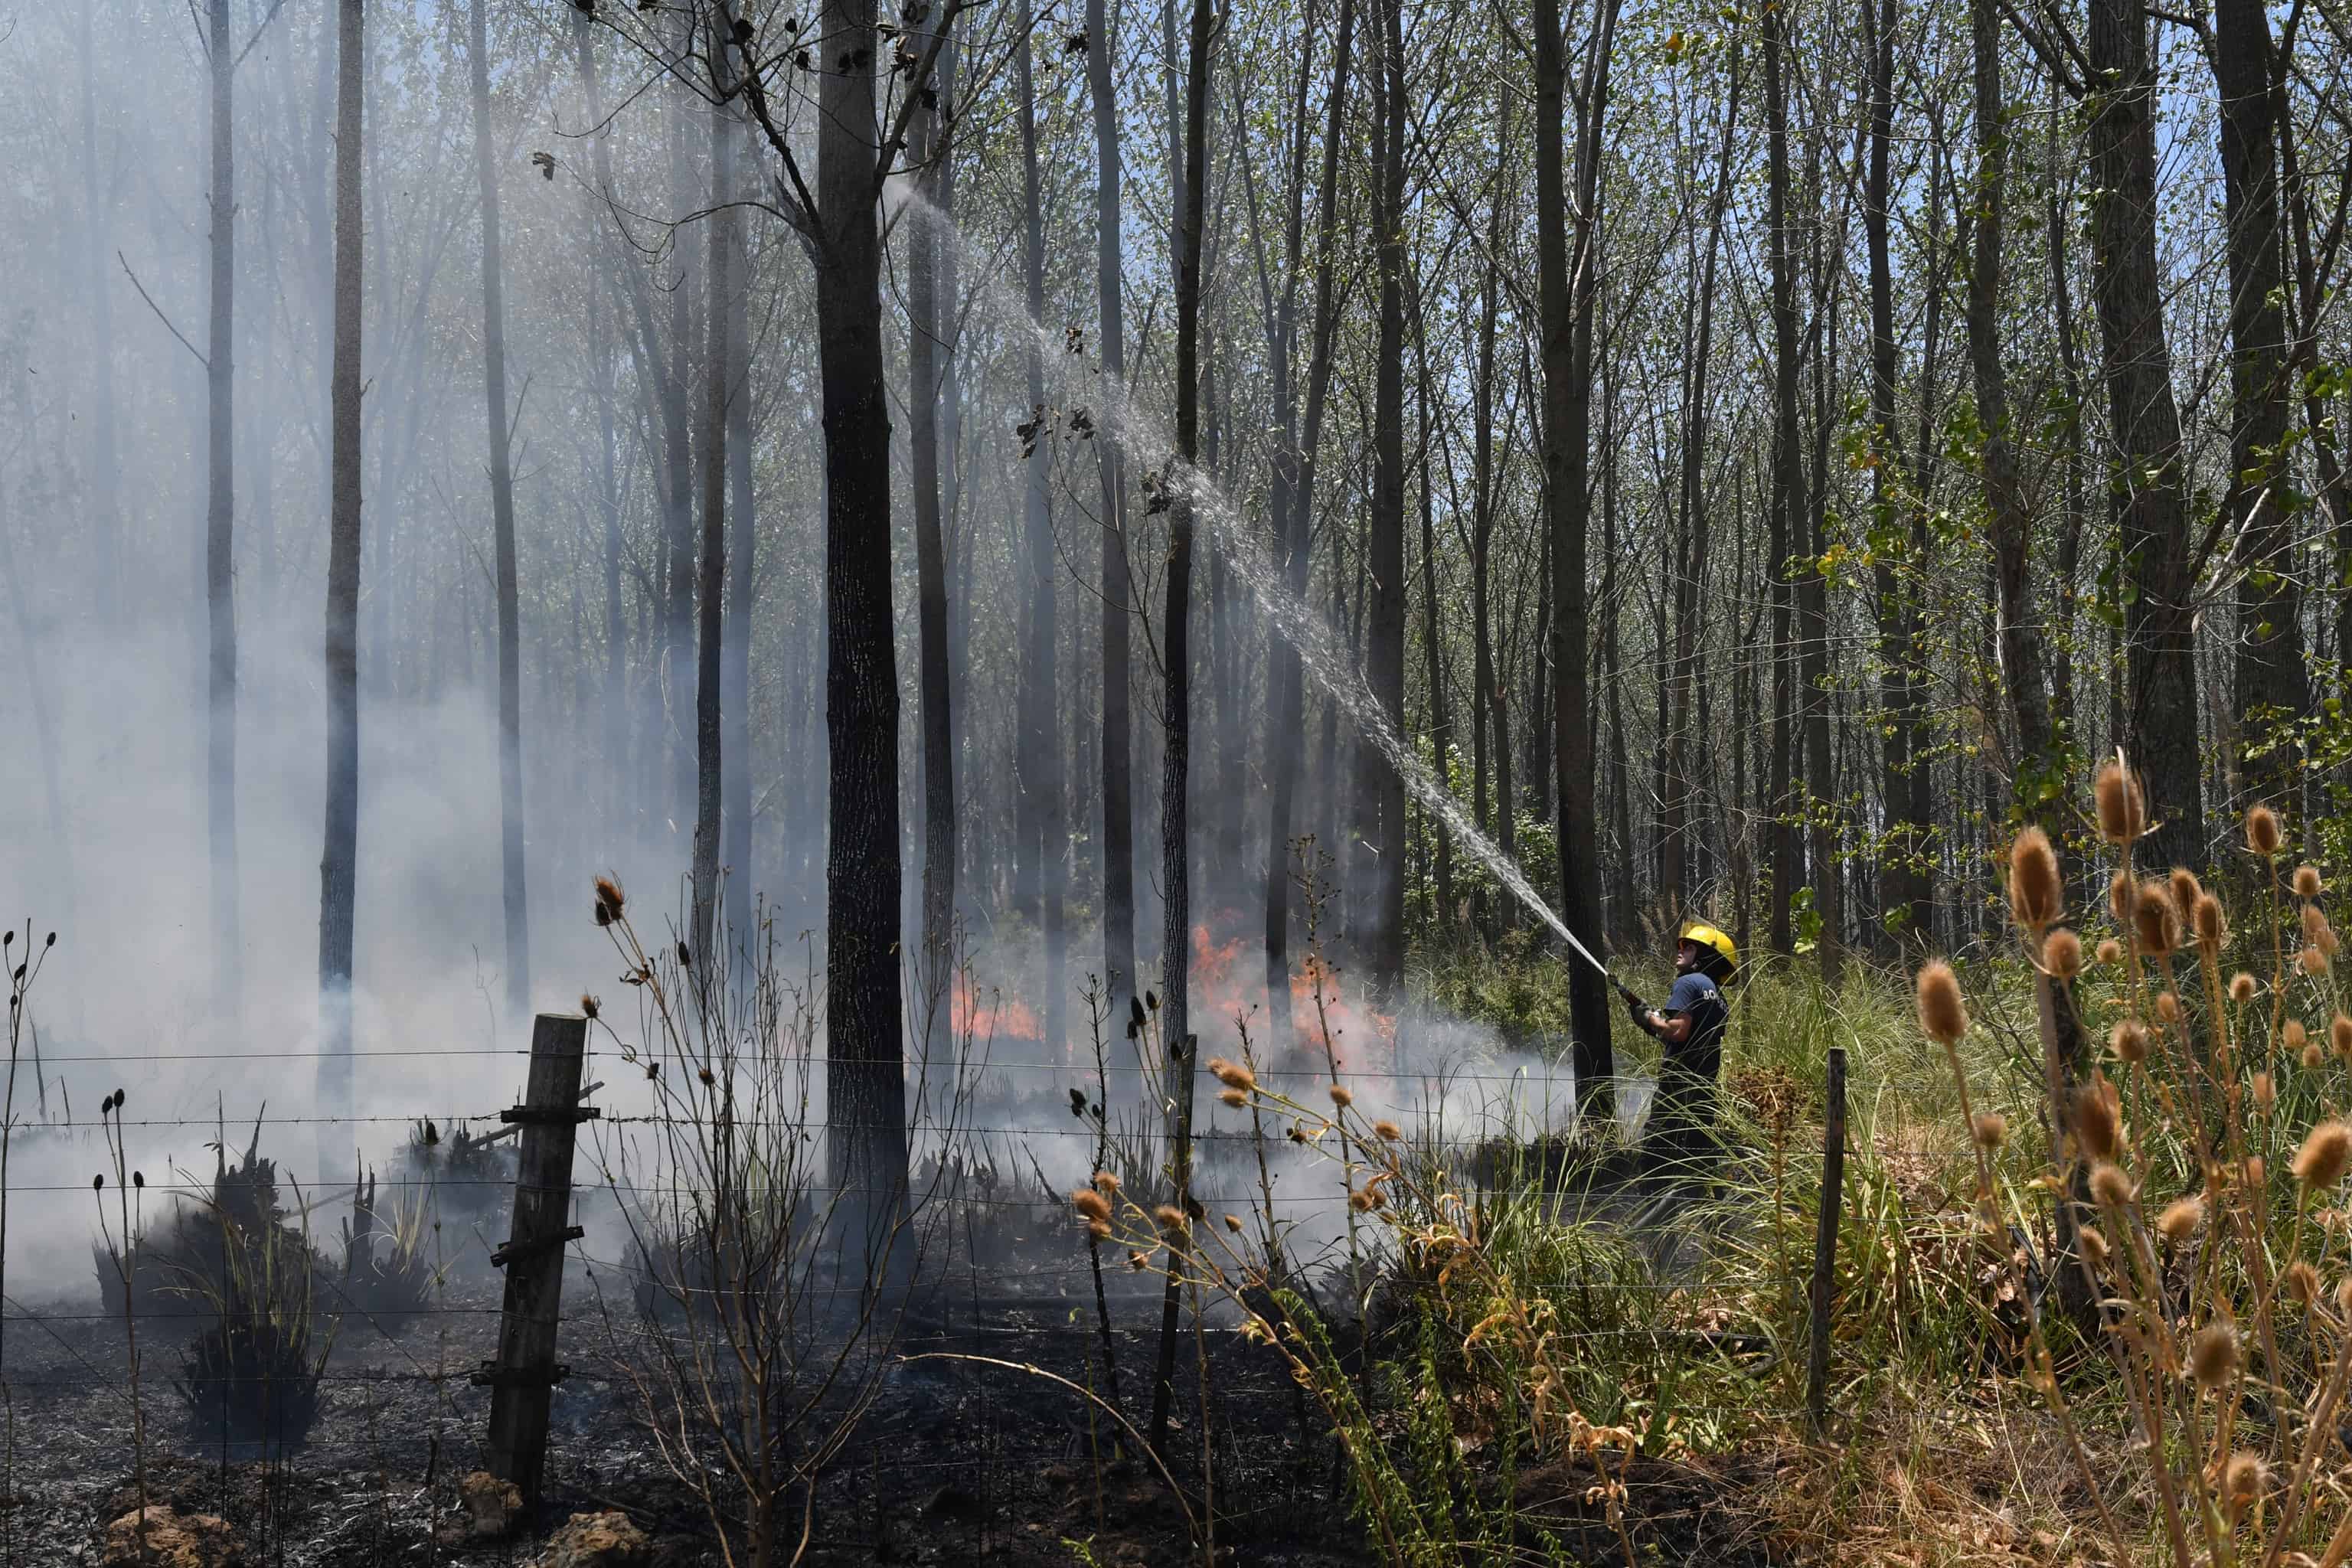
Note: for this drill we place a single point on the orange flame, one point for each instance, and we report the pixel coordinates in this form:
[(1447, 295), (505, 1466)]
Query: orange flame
[(994, 1016)]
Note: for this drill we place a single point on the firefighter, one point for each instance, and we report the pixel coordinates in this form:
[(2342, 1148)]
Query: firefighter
[(1681, 1124)]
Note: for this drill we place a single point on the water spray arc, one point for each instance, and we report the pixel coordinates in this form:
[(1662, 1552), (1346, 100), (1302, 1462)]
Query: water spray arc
[(1165, 480)]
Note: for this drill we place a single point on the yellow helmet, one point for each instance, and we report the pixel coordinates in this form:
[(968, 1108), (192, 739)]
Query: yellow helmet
[(1707, 936)]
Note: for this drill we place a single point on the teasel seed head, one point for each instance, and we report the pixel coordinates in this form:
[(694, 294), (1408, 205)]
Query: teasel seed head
[(2303, 1282), (1342, 1096), (1106, 1184), (1388, 1132), (2292, 1035), (2110, 1186), (2168, 1006), (1360, 1199), (1234, 1224), (2110, 950), (2306, 882), (2212, 930), (2339, 1035), (2094, 1121), (2311, 960), (609, 900), (1942, 1015), (2262, 832), (2036, 892), (2244, 1479), (2180, 1219), (2312, 1056), (1091, 1204), (2314, 921), (1232, 1075), (2093, 1243), (2213, 1355), (2121, 815), (2185, 890), (1099, 1229), (2319, 1163), (2128, 1040), (1139, 1260), (2061, 953), (589, 1007), (2154, 919), (1172, 1219), (2242, 988), (1991, 1128), (1233, 1098), (2121, 892)]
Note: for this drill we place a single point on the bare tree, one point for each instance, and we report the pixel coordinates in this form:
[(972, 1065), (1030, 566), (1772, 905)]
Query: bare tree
[(502, 527), (1118, 747), (1567, 287), (339, 864), (220, 514)]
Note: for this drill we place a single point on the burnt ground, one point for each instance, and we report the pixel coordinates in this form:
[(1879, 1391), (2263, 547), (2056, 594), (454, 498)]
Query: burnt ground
[(953, 1462)]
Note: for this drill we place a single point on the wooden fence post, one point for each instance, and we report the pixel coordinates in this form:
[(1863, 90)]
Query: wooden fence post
[(1825, 1238), (524, 1374)]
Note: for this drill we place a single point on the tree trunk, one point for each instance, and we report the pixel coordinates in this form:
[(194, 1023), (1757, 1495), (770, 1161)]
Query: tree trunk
[(710, 583), (867, 1109), (1441, 727), (105, 465), (2271, 689), (220, 509), (927, 151), (1380, 787), (1298, 533), (503, 527), (677, 419), (1175, 866), (1898, 878), (743, 576), (339, 862), (1568, 287), (2038, 784), (1485, 702), (1117, 591), (1673, 888), (1044, 852), (1785, 500), (2161, 733)]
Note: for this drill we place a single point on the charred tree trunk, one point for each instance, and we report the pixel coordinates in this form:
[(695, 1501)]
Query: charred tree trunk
[(503, 527), (677, 421), (1118, 589), (220, 515), (733, 315), (1175, 867), (338, 863), (1043, 857), (711, 578), (928, 151)]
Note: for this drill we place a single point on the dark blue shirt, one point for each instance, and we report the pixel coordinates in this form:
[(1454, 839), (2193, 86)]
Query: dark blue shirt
[(1698, 998)]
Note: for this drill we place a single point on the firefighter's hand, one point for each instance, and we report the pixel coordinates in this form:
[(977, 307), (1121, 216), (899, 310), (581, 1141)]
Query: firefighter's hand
[(1638, 1008)]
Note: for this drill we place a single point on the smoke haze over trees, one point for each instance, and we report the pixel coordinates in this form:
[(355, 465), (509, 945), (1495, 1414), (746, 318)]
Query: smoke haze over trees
[(1767, 455)]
